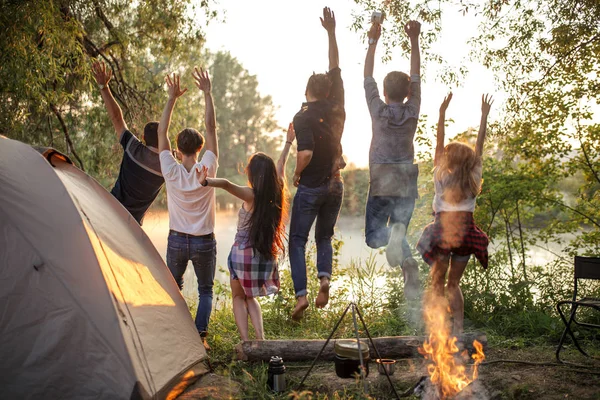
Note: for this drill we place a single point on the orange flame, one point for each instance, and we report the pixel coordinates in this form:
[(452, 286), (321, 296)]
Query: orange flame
[(446, 367)]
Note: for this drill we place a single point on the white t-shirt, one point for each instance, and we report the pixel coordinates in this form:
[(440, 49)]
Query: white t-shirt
[(191, 206), (439, 204)]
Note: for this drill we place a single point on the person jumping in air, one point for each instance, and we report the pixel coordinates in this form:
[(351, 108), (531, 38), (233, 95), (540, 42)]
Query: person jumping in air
[(319, 126), (448, 242), (191, 206), (259, 241), (393, 174)]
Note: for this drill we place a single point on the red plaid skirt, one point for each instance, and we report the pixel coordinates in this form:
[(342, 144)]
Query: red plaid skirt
[(258, 276), (456, 233)]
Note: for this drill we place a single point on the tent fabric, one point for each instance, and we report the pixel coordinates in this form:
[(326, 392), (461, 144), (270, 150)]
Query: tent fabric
[(88, 308)]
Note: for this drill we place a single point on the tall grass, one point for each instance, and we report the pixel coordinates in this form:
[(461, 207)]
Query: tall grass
[(498, 301)]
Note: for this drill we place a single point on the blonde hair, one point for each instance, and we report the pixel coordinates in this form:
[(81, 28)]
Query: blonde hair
[(457, 172)]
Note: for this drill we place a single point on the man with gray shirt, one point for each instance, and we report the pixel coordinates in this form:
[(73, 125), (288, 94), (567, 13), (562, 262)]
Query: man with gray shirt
[(393, 174)]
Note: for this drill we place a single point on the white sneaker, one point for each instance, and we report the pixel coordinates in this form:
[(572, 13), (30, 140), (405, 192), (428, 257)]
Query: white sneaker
[(393, 251), (410, 269)]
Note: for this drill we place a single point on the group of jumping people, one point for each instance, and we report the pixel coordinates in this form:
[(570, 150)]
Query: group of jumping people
[(260, 242)]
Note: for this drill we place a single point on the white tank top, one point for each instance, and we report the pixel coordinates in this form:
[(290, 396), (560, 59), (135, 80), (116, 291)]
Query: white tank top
[(439, 204)]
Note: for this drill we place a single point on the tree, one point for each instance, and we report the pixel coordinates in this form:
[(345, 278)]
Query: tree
[(45, 81), (545, 57), (245, 118)]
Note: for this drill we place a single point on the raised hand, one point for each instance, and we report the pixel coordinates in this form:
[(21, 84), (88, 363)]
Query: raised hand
[(202, 174), (375, 31), (445, 103), (291, 133), (413, 29), (173, 87), (202, 80), (486, 103), (328, 20), (100, 74)]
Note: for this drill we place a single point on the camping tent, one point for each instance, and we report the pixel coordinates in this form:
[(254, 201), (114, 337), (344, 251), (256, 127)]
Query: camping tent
[(88, 308)]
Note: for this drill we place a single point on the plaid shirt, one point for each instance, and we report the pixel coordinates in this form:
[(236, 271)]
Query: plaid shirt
[(257, 275), (456, 233)]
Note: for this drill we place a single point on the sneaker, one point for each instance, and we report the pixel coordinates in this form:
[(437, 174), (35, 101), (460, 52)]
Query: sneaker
[(410, 270), (393, 251)]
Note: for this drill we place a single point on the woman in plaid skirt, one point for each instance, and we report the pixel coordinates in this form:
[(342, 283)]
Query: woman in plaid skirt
[(259, 240), (448, 242)]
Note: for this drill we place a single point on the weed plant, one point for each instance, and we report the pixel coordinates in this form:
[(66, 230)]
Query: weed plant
[(511, 308)]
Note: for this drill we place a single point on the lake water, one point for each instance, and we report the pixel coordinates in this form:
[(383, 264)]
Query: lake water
[(349, 229)]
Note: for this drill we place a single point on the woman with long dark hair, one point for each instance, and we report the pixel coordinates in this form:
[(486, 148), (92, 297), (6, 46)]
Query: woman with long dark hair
[(259, 241)]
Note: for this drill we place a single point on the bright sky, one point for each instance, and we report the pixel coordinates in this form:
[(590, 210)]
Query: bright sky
[(282, 46)]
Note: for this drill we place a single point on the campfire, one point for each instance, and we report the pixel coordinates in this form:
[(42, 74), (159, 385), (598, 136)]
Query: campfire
[(448, 372)]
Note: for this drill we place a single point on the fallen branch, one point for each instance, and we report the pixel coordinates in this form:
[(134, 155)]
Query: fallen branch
[(67, 136), (303, 350)]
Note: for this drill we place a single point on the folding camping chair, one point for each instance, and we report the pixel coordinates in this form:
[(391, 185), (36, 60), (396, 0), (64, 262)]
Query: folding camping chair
[(585, 268)]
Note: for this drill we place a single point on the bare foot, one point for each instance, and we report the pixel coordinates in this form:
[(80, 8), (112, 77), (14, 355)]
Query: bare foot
[(204, 342), (323, 296), (301, 305)]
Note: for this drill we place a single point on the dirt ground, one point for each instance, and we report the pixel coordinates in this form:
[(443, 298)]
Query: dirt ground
[(497, 380)]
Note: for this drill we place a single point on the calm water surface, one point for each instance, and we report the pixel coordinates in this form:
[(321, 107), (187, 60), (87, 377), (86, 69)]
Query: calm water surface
[(349, 229)]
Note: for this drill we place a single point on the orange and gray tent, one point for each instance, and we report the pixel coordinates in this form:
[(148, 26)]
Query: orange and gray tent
[(88, 308)]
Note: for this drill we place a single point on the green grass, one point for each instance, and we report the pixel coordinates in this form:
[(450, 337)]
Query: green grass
[(510, 315)]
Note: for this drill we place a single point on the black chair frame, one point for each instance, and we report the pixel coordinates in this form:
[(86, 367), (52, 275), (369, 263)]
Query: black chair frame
[(585, 268)]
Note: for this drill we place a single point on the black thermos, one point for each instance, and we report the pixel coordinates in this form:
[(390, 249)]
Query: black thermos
[(276, 379)]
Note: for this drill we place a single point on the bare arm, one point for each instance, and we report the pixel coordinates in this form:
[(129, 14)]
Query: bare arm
[(165, 120), (244, 193), (115, 114), (486, 105), (373, 35), (439, 147), (413, 30), (302, 160), (328, 22), (210, 121), (281, 163)]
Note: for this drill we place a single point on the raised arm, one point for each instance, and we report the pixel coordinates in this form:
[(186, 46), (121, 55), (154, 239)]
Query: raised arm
[(413, 30), (210, 122), (244, 193), (439, 147), (328, 22), (115, 114), (165, 120), (486, 105), (373, 35), (281, 163)]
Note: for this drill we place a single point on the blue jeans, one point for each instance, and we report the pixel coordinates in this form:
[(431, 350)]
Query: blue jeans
[(383, 212), (203, 254), (322, 203)]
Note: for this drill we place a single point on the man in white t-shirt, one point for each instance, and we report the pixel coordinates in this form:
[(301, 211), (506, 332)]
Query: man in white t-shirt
[(191, 205)]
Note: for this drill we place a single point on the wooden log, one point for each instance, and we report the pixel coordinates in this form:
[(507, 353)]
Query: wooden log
[(306, 350)]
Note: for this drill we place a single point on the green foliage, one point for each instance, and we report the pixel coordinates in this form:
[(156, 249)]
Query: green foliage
[(45, 79), (245, 119)]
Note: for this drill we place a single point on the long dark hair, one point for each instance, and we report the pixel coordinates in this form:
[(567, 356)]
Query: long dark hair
[(267, 223)]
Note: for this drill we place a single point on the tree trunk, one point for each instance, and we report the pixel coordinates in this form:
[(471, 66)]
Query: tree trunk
[(307, 350)]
